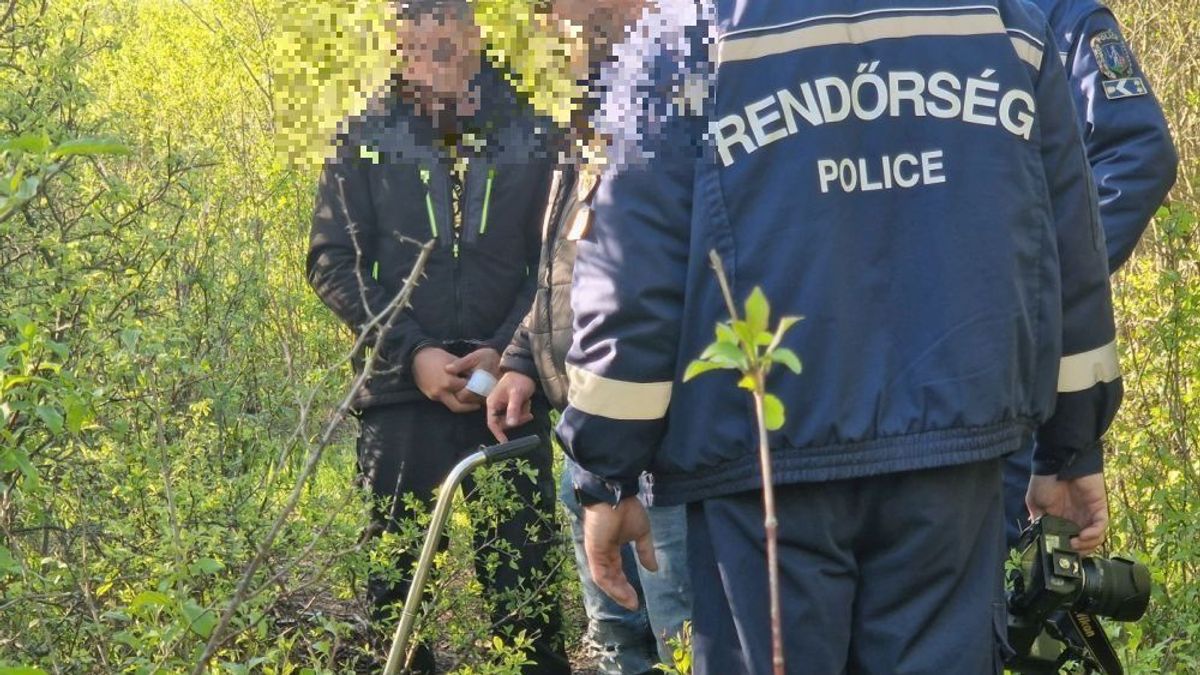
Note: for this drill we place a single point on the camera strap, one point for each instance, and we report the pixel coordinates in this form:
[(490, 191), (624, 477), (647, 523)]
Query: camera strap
[(1084, 630)]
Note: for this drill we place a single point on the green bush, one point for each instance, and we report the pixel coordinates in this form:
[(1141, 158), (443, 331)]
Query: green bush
[(165, 371)]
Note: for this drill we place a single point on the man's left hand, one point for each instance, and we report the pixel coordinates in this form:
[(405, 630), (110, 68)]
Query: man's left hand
[(1081, 500), (484, 358), (605, 530)]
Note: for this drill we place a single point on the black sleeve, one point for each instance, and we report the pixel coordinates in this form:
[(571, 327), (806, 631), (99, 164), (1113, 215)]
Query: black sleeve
[(338, 267), (518, 356)]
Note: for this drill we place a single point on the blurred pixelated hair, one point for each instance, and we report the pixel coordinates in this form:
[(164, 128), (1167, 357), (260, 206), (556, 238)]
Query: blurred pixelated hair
[(416, 10)]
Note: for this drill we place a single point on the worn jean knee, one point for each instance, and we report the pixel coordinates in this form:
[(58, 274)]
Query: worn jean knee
[(622, 640), (669, 590)]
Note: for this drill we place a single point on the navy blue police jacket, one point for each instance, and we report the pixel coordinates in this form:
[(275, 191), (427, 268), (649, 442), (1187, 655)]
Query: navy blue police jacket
[(1124, 131), (909, 180)]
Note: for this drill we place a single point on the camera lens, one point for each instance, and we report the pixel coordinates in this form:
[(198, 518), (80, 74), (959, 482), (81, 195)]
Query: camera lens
[(1115, 588)]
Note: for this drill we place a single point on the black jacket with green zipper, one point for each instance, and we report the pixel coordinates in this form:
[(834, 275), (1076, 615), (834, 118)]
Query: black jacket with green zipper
[(388, 186)]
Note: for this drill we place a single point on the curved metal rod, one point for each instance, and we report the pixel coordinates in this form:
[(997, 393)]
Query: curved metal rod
[(441, 512)]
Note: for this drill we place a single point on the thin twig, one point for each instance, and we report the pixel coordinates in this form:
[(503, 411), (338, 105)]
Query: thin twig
[(393, 311)]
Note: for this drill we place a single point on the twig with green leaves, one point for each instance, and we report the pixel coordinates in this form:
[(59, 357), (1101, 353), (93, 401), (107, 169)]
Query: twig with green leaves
[(749, 346)]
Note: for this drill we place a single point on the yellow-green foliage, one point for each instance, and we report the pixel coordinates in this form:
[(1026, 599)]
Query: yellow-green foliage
[(1154, 469), (538, 50), (331, 56), (158, 342)]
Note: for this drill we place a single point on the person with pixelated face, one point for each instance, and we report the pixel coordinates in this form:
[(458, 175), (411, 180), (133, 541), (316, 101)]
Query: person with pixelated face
[(944, 248), (447, 153), (625, 640), (440, 54)]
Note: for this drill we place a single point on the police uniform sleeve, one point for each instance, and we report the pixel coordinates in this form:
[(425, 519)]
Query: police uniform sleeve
[(338, 265), (1089, 379), (1128, 143), (627, 297)]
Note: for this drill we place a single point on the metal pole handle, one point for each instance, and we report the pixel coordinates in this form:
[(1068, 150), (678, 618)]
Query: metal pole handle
[(441, 512)]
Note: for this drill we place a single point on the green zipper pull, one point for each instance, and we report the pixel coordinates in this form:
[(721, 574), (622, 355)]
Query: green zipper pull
[(375, 271), (429, 203), (487, 199)]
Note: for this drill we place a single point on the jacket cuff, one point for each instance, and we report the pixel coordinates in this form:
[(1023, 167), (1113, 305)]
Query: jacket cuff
[(499, 342), (405, 348), (592, 489), (519, 362), (1083, 463), (1067, 465)]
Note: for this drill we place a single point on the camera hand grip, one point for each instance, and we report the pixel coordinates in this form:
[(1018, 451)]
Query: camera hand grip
[(513, 448)]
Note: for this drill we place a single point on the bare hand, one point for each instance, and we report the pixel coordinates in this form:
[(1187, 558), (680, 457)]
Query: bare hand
[(605, 531), (508, 405), (484, 358), (1082, 501), (437, 383)]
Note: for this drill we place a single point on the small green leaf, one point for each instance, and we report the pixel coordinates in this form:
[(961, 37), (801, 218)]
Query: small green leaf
[(77, 415), (51, 418), (724, 354), (149, 599), (773, 415), (22, 460), (8, 564), (129, 338), (758, 310), (89, 146), (696, 368), (60, 350), (28, 188), (744, 332), (128, 639), (747, 382), (785, 324), (205, 566), (27, 143), (725, 334), (786, 358), (200, 620)]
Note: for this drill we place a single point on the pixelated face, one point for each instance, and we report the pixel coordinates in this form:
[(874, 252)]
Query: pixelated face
[(440, 51)]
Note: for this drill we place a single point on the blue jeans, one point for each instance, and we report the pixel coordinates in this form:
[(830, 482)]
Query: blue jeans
[(633, 642)]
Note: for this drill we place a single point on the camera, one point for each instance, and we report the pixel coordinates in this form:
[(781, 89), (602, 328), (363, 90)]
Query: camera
[(1057, 597)]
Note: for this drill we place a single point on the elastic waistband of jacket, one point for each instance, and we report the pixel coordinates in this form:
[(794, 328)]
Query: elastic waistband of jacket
[(819, 464)]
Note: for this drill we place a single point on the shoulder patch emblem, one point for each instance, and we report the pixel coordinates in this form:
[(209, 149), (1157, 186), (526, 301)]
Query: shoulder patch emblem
[(1112, 55), (1130, 86)]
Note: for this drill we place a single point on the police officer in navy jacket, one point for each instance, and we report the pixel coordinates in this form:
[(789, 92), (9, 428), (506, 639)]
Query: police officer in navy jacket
[(912, 181), (1128, 146)]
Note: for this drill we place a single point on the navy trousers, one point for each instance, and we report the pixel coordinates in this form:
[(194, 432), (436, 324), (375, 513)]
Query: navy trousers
[(1017, 468), (900, 573)]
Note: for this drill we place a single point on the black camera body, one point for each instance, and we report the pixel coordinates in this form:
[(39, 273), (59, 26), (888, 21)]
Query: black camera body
[(1057, 596)]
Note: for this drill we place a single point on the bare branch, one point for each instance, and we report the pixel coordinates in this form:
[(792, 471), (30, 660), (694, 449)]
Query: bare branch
[(391, 313)]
